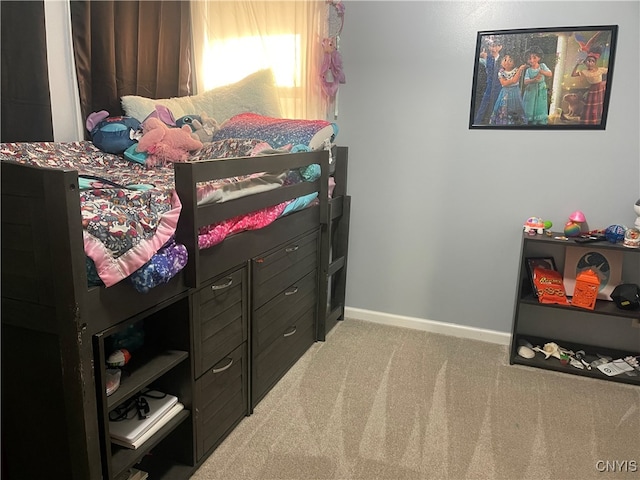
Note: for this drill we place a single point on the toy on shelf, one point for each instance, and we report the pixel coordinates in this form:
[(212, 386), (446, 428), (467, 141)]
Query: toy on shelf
[(112, 382), (576, 225), (119, 358), (575, 359), (636, 208), (632, 238), (615, 233), (586, 289), (535, 225)]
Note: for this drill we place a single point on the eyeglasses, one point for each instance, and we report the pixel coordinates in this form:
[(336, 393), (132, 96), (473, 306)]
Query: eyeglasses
[(135, 405)]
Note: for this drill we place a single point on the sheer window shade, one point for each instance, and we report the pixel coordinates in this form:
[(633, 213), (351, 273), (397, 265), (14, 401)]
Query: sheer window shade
[(233, 39)]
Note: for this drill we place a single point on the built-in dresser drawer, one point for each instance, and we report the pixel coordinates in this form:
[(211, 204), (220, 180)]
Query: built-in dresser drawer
[(278, 269), (219, 319), (284, 312), (277, 358), (283, 329), (222, 400)]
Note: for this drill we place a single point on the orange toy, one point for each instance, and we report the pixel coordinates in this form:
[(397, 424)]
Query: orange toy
[(586, 289)]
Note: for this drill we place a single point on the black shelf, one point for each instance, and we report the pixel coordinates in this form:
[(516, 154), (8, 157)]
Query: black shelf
[(605, 324), (141, 372), (162, 362), (591, 351), (123, 458), (572, 243), (603, 307), (164, 469)]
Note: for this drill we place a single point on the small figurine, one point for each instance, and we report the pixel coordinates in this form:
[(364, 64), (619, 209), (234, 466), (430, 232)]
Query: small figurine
[(550, 349), (534, 225), (632, 238), (636, 208), (576, 224), (119, 358)]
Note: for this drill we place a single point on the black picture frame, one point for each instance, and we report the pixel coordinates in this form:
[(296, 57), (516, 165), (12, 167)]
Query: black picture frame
[(532, 262), (574, 59)]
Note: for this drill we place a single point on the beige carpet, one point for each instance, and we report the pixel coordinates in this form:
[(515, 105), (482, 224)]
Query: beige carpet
[(379, 402)]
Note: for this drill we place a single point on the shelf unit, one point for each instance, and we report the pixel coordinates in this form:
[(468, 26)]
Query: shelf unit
[(161, 363), (606, 330)]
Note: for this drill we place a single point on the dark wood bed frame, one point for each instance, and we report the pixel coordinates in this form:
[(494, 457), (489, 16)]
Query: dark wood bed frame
[(50, 318)]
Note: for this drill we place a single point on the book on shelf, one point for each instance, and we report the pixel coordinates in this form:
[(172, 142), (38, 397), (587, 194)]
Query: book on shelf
[(161, 422), (128, 430), (135, 474)]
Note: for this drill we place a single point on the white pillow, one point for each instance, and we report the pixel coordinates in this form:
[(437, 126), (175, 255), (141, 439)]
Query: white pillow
[(255, 93)]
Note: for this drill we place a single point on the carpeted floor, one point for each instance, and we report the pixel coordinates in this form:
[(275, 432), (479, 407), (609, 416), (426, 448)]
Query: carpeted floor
[(380, 402)]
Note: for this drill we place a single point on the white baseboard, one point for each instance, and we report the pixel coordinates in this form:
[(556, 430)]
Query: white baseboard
[(455, 330)]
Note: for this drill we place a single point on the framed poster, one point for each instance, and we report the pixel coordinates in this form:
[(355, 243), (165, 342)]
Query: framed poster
[(543, 78), (607, 264)]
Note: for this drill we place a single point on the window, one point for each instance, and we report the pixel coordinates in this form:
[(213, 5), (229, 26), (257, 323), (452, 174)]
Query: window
[(278, 52), (233, 39)]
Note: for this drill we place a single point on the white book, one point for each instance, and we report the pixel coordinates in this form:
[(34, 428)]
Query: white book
[(130, 429), (135, 474), (177, 408)]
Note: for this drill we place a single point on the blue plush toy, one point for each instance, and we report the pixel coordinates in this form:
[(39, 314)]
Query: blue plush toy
[(112, 134), (188, 120)]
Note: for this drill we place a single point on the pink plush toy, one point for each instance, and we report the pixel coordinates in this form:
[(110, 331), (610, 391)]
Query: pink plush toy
[(164, 144), (331, 72)]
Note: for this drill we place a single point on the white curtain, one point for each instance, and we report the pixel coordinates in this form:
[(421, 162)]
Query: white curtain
[(233, 39)]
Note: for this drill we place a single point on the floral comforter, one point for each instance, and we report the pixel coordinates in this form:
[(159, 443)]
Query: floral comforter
[(130, 213)]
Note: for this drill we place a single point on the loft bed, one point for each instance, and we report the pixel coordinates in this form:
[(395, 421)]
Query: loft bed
[(255, 93), (55, 313), (45, 278), (45, 266)]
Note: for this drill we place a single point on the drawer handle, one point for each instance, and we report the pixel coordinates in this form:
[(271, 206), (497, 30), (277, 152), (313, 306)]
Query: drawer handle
[(222, 369), (290, 332), (292, 249), (224, 285), (293, 291)]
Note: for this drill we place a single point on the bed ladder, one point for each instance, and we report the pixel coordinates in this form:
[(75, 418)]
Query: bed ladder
[(334, 245)]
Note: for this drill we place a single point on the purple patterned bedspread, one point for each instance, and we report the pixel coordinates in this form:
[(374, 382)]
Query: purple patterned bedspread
[(124, 224), (130, 212)]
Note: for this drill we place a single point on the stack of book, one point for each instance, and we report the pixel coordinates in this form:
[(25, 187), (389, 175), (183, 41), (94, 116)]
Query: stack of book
[(133, 431)]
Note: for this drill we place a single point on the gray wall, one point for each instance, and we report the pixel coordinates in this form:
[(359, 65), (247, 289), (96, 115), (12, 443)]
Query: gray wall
[(437, 209)]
